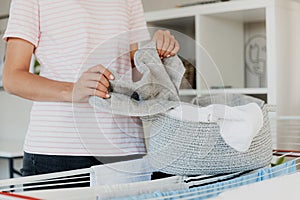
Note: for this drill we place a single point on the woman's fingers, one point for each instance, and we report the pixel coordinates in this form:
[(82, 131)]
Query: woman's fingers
[(93, 82), (96, 85), (89, 76), (97, 89), (159, 39), (99, 73), (102, 70), (170, 48), (176, 48), (93, 92), (166, 43), (103, 80)]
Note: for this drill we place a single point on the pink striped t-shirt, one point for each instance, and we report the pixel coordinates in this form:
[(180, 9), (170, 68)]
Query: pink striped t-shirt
[(71, 36)]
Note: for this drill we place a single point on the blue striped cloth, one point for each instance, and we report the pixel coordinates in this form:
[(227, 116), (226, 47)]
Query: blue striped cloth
[(214, 189)]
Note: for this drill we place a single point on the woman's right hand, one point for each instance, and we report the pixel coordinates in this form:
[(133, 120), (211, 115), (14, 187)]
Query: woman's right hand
[(93, 82)]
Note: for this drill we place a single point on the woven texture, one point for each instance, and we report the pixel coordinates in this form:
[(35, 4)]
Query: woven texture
[(191, 148)]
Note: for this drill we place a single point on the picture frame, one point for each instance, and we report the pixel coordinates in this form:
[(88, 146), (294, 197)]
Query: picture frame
[(3, 24)]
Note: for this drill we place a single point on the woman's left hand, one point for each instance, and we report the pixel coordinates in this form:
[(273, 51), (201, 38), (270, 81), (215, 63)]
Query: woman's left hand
[(166, 43)]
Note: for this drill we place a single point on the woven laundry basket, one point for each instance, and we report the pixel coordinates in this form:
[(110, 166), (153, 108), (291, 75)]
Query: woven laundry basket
[(192, 148)]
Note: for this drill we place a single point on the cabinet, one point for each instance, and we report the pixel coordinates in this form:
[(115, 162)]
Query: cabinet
[(215, 39)]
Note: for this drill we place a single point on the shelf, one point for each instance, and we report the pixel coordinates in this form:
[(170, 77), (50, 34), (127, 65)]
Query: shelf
[(213, 36), (223, 38), (176, 26), (245, 16), (236, 91), (188, 92), (191, 92), (241, 7), (241, 43), (178, 23)]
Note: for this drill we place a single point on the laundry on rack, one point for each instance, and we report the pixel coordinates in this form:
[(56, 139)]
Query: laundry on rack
[(156, 92), (214, 189), (121, 172), (175, 187), (139, 188), (197, 181)]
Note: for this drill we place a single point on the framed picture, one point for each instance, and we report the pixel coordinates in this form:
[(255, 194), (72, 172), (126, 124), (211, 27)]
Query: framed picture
[(255, 55), (3, 24)]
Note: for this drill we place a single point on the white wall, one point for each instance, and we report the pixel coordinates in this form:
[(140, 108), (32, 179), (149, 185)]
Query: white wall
[(4, 7), (14, 118)]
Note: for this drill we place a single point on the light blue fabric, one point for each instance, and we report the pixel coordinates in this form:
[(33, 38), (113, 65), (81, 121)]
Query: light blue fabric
[(213, 190)]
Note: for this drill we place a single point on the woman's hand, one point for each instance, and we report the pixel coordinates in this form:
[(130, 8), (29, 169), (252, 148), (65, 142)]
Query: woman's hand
[(93, 82), (166, 43)]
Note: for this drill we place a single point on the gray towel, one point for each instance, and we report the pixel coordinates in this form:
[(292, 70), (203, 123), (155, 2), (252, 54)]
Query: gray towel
[(155, 93)]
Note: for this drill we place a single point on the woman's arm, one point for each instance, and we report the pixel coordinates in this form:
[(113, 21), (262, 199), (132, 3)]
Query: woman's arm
[(19, 81)]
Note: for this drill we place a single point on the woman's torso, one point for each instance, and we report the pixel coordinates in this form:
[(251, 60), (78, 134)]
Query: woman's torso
[(76, 35)]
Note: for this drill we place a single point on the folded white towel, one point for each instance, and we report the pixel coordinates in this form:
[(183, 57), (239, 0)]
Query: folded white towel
[(238, 125), (121, 172), (127, 190)]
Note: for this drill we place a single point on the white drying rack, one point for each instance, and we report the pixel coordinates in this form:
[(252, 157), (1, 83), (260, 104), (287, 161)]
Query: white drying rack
[(17, 185)]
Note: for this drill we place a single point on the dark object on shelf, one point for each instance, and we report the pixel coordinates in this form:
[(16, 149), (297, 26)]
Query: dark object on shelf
[(221, 87), (189, 77), (200, 2), (4, 16)]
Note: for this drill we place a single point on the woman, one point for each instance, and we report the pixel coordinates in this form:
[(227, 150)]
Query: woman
[(62, 35)]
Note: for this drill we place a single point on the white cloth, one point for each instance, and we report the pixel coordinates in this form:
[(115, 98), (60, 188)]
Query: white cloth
[(121, 172), (139, 188), (112, 191), (238, 125)]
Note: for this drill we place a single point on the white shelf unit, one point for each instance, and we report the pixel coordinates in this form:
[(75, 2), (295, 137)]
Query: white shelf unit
[(212, 37), (220, 29)]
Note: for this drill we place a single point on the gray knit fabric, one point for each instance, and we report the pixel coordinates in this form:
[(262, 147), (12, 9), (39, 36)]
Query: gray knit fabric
[(155, 93), (192, 148)]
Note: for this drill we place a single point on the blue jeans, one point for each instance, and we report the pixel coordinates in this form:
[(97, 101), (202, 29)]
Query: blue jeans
[(35, 164)]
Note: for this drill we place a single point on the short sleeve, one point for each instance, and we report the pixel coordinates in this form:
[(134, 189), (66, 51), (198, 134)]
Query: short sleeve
[(137, 24), (24, 21)]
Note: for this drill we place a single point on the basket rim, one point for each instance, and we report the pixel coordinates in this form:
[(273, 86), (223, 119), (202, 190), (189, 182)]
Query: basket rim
[(266, 108)]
